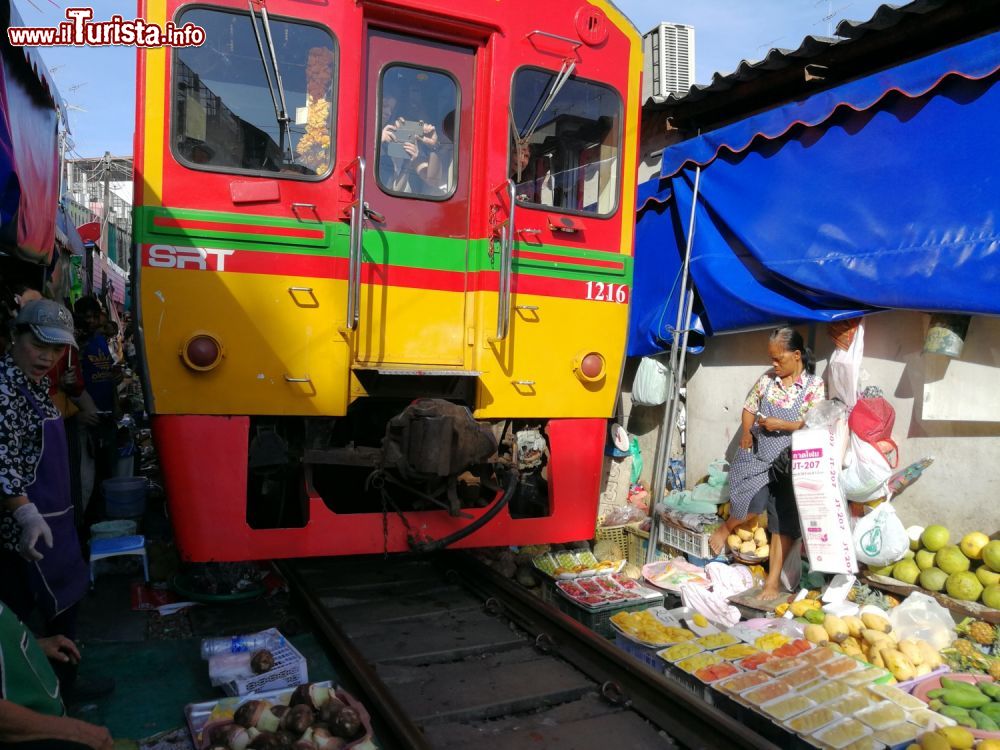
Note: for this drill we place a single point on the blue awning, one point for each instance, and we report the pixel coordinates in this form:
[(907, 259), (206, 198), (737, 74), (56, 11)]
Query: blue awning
[(880, 193)]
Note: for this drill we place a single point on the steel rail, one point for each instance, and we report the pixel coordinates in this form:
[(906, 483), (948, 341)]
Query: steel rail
[(691, 721), (404, 732)]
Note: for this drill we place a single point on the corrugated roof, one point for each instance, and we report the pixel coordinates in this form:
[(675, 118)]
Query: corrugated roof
[(885, 17)]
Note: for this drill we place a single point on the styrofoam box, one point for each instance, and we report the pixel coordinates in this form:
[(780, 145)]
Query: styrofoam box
[(290, 669)]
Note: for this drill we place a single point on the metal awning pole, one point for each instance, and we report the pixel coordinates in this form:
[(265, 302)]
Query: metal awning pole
[(678, 350)]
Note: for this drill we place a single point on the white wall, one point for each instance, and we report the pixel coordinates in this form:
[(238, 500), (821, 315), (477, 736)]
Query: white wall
[(961, 489)]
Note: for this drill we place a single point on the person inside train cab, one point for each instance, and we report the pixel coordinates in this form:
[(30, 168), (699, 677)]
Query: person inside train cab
[(441, 162), (407, 143)]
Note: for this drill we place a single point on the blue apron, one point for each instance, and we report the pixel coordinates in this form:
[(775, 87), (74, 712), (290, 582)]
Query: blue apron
[(749, 471), (60, 579)]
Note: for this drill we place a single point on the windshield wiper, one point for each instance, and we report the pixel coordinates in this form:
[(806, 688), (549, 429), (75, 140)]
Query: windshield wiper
[(280, 108)]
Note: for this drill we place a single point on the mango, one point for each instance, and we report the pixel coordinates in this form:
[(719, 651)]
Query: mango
[(964, 698), (958, 737), (983, 721), (934, 741)]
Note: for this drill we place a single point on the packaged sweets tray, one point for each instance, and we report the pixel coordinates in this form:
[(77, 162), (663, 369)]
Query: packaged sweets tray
[(597, 593), (568, 565)]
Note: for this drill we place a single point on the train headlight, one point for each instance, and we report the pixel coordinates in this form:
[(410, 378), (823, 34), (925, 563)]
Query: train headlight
[(590, 367), (202, 352)]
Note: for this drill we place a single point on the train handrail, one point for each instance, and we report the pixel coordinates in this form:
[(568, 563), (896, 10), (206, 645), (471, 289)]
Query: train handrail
[(355, 243), (504, 296)]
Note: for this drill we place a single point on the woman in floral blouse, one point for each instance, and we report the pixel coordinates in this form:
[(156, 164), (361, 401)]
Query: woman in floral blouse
[(775, 407), (40, 556)]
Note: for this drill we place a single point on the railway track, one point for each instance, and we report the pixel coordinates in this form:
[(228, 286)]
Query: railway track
[(449, 655)]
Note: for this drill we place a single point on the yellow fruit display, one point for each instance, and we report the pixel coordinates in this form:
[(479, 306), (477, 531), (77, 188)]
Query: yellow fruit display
[(989, 745), (800, 607), (763, 551), (816, 634), (897, 663), (734, 541), (933, 741), (744, 534), (876, 622), (959, 738), (836, 628)]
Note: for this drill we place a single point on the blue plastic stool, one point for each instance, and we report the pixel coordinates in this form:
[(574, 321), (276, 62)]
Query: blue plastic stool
[(118, 545)]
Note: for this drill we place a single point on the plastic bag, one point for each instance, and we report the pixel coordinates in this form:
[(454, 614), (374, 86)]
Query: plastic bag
[(920, 616), (623, 515), (714, 606), (880, 537), (825, 413), (650, 385), (633, 449), (706, 493), (867, 472), (843, 374), (718, 472)]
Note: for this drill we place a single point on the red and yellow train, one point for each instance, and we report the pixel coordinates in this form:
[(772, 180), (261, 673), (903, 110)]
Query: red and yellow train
[(384, 266)]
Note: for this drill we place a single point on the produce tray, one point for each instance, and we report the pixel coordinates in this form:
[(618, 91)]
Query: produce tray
[(965, 609), (598, 621), (199, 715)]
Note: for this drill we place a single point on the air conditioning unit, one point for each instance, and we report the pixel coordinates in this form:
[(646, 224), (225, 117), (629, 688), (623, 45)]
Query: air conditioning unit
[(668, 60)]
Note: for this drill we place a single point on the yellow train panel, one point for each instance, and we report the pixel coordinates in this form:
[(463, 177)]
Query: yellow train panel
[(283, 350), (531, 373)]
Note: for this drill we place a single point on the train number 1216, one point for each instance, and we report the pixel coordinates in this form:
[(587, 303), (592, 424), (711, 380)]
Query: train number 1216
[(598, 290)]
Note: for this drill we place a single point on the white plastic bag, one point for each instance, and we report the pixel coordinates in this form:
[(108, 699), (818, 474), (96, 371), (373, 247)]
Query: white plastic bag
[(843, 374), (866, 473), (650, 385), (713, 606), (880, 537), (920, 616)]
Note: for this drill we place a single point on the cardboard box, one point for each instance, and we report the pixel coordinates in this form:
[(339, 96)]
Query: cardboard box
[(290, 670), (817, 455)]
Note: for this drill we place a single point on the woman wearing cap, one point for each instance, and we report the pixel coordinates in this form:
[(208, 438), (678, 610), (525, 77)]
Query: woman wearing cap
[(40, 554), (775, 407)]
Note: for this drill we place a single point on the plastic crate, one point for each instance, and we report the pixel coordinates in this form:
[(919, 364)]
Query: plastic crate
[(616, 534), (638, 543), (687, 541), (600, 621), (645, 654)]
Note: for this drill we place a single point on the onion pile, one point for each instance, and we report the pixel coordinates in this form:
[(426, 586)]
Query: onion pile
[(314, 719)]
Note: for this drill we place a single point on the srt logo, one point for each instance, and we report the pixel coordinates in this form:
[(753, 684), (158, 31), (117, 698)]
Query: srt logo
[(200, 258)]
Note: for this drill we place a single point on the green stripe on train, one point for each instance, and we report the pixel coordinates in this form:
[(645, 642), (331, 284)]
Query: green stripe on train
[(384, 248)]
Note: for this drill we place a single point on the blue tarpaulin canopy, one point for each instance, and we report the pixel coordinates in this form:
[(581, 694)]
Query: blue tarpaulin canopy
[(880, 193)]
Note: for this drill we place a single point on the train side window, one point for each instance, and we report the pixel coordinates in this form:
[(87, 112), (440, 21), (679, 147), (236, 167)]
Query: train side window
[(565, 154), (224, 117), (418, 132)]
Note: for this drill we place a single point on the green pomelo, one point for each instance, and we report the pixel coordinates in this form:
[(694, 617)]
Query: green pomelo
[(964, 586), (986, 576), (991, 555), (925, 559), (991, 596), (907, 571), (933, 579), (908, 555), (935, 537), (951, 560), (883, 571)]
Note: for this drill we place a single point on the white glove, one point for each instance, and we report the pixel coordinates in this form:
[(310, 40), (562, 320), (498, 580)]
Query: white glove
[(32, 526)]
